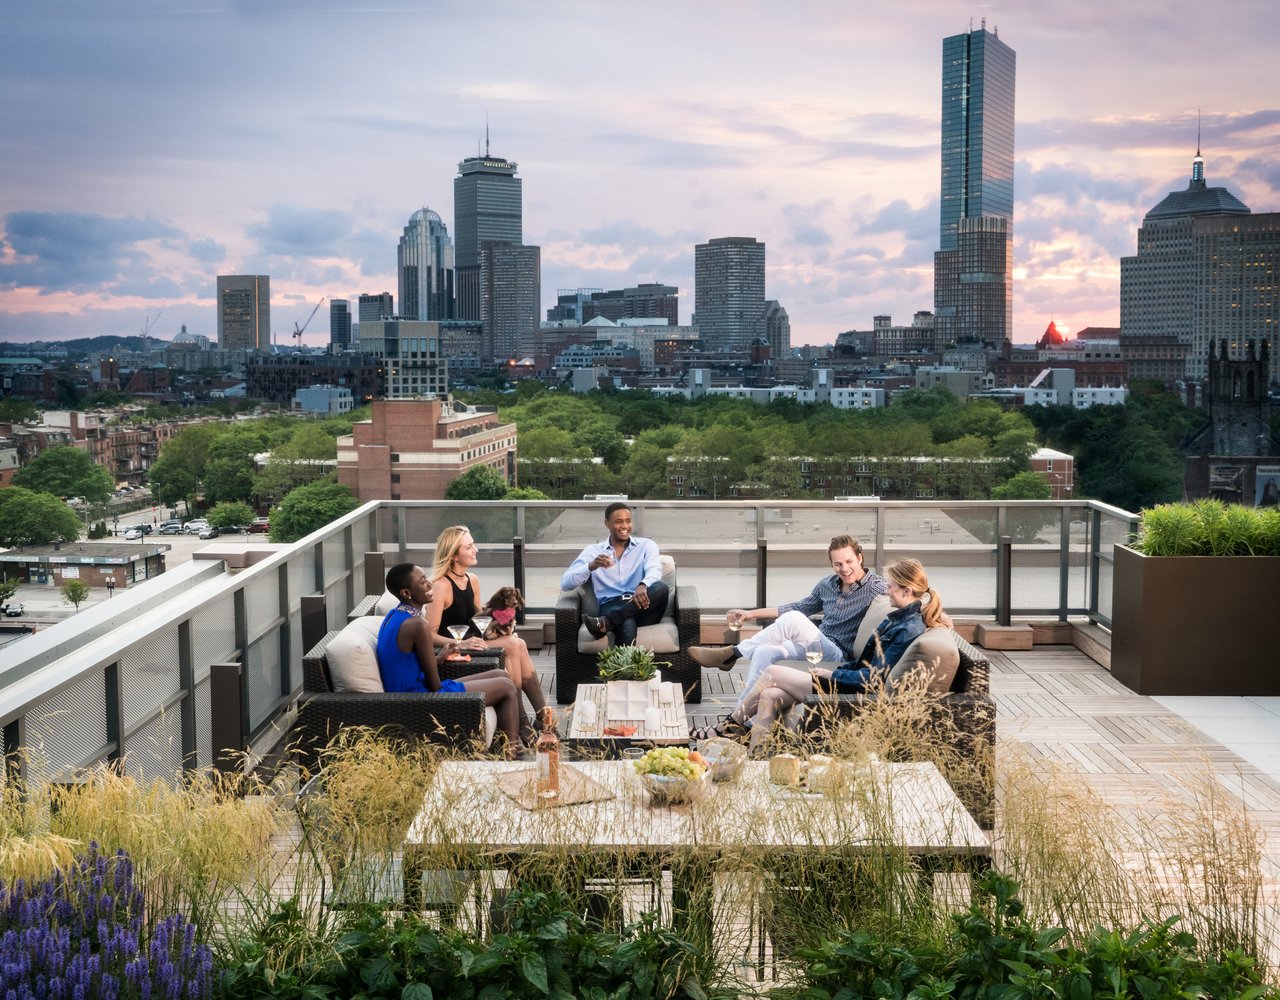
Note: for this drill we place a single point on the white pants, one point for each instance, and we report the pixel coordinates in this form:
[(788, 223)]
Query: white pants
[(785, 639)]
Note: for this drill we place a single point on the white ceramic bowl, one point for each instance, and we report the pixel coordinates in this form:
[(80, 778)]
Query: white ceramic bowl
[(669, 790)]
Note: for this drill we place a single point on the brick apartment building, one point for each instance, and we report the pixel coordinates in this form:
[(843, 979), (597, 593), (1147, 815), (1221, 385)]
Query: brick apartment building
[(413, 449)]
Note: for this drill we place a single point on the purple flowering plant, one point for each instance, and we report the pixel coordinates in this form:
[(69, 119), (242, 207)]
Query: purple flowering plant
[(78, 935)]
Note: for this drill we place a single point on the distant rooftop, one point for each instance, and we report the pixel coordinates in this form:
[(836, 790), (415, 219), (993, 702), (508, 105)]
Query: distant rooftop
[(1198, 198)]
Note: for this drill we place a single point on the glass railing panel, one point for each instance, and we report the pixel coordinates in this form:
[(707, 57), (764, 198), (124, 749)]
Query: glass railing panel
[(262, 674), (149, 674), (1036, 572), (213, 634), (334, 562), (154, 752), (813, 526), (956, 546), (302, 579), (1079, 543), (261, 603), (68, 729), (203, 704)]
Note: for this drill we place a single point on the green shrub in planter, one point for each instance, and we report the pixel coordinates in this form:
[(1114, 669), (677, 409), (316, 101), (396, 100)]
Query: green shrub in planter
[(1208, 528), (995, 951), (627, 663)]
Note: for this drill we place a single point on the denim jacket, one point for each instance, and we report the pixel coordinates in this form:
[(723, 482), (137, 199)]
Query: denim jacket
[(883, 650)]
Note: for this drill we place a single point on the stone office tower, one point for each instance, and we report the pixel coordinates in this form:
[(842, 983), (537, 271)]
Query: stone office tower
[(244, 312), (487, 208), (973, 268)]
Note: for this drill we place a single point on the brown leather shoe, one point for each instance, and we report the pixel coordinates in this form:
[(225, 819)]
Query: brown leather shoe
[(714, 656)]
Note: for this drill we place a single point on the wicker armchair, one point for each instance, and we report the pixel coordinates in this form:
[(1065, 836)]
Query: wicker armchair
[(679, 629), (453, 719), (965, 716)]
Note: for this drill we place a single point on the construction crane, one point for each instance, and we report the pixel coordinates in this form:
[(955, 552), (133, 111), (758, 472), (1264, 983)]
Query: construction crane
[(298, 330)]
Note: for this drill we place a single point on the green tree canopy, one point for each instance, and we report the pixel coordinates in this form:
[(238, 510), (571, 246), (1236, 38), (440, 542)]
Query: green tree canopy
[(230, 514), (1023, 486), (480, 482), (525, 493), (30, 518), (178, 473), (65, 471), (74, 592), (18, 411), (309, 508)]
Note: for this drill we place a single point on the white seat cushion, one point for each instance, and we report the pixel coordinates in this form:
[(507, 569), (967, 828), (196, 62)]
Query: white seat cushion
[(490, 726), (352, 656), (385, 603)]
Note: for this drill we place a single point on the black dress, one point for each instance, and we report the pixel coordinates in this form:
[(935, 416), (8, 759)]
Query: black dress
[(460, 611)]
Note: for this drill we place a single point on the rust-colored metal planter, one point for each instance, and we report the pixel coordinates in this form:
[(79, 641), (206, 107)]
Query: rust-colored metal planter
[(1198, 625)]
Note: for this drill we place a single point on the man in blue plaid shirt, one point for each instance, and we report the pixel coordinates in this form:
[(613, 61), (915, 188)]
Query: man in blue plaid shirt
[(842, 598)]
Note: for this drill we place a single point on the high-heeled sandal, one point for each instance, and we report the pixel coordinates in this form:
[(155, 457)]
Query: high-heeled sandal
[(727, 727)]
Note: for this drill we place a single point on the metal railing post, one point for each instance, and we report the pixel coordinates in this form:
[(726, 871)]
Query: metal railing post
[(1004, 581), (226, 727), (762, 572), (314, 620), (517, 570)]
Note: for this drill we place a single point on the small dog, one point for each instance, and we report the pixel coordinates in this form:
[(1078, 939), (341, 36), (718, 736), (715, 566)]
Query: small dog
[(502, 607)]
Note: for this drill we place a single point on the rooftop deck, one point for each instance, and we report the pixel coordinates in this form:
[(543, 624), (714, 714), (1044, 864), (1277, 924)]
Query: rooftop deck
[(1061, 711)]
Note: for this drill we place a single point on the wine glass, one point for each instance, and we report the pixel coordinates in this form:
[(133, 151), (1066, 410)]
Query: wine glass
[(482, 622), (734, 620), (813, 652)]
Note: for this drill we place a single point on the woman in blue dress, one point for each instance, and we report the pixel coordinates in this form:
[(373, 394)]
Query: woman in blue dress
[(407, 659)]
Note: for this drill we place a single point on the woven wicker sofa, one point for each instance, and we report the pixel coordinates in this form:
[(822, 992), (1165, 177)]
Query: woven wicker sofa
[(454, 719)]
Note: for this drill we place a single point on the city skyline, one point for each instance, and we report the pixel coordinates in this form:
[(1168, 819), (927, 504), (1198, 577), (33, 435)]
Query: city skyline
[(144, 160)]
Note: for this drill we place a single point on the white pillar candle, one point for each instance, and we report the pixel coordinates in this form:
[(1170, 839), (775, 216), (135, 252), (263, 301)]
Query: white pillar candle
[(665, 695), (652, 719)]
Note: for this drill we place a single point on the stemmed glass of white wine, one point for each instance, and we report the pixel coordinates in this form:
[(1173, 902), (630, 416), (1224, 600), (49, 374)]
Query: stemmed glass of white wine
[(734, 620), (459, 632), (813, 652), (482, 622)]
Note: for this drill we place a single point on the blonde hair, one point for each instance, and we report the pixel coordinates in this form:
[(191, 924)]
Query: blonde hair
[(447, 546), (910, 573)]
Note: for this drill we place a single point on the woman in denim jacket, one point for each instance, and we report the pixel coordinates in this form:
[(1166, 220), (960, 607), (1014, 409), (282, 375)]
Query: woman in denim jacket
[(781, 686)]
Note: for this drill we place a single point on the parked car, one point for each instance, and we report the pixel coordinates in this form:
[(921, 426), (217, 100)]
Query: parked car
[(147, 529), (133, 534), (209, 531), (171, 528), (260, 526), (14, 611), (194, 527)]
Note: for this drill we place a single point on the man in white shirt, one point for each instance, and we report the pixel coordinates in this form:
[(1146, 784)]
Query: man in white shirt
[(626, 575)]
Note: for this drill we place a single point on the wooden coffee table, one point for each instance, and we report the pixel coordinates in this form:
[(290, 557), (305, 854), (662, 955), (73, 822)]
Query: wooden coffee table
[(673, 731)]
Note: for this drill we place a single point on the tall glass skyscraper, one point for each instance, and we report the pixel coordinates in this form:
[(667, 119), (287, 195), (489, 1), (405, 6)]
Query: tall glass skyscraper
[(425, 266), (973, 269), (487, 208)]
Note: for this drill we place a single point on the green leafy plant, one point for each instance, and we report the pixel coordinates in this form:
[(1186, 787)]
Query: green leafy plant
[(1208, 528), (627, 663), (995, 950)]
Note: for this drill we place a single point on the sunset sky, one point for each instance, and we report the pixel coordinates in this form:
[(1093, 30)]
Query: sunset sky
[(147, 146)]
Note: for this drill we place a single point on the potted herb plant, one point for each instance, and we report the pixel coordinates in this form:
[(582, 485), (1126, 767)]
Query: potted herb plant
[(1193, 598)]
